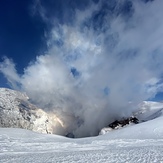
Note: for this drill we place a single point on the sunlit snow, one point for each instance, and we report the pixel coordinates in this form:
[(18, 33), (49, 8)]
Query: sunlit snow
[(137, 143)]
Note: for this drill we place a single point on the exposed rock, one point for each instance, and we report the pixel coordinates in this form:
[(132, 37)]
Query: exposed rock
[(119, 124), (70, 135), (17, 112), (123, 122)]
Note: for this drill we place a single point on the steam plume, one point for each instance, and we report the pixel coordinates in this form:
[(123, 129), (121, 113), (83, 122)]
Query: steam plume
[(99, 65)]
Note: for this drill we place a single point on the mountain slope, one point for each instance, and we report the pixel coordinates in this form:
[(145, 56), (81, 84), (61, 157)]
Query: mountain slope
[(148, 111), (138, 143), (17, 112), (132, 144)]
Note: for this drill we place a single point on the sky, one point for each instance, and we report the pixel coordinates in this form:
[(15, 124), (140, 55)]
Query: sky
[(80, 58)]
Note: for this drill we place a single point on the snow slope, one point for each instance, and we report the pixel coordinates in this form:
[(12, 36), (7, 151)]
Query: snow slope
[(137, 143), (147, 111)]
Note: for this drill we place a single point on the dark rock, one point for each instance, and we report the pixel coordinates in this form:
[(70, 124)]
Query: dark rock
[(70, 135), (123, 122)]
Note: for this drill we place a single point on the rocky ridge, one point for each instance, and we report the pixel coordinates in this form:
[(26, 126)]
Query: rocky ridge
[(17, 112)]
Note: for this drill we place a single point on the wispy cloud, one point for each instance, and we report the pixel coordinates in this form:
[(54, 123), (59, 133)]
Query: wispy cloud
[(108, 56), (9, 71)]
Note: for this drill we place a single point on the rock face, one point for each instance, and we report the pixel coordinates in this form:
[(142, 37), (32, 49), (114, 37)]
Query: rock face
[(17, 112)]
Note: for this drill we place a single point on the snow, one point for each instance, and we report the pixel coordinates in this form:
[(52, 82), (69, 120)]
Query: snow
[(140, 143), (19, 145), (137, 143), (17, 111), (147, 111)]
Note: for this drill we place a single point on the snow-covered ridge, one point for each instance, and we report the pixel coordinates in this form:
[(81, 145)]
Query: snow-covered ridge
[(135, 143), (147, 111), (17, 112)]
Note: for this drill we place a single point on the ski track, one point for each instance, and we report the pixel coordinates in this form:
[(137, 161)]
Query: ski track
[(142, 155), (82, 150)]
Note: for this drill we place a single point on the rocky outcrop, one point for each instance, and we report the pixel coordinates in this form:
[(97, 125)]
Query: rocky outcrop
[(119, 124), (123, 122), (17, 112)]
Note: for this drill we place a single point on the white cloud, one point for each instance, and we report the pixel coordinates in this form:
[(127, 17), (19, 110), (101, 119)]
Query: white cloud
[(9, 71)]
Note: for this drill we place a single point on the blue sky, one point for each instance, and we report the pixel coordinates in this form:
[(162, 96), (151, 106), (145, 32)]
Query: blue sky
[(27, 31), (21, 35)]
